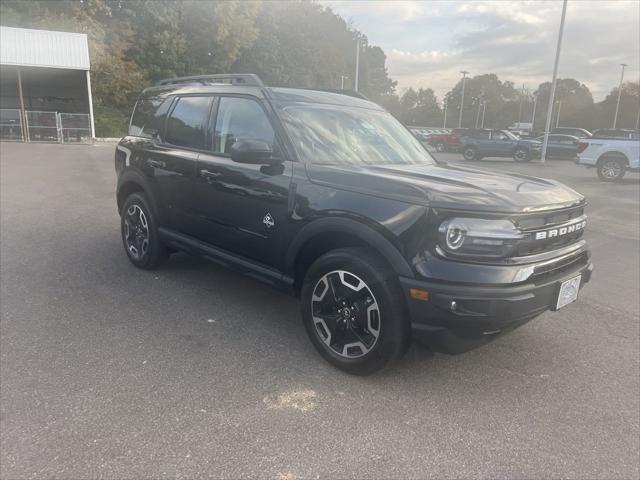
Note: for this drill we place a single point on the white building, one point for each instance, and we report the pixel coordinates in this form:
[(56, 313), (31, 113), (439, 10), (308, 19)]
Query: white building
[(44, 85)]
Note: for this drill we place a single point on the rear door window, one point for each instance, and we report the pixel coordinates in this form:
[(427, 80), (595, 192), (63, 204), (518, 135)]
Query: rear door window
[(187, 123), (148, 117)]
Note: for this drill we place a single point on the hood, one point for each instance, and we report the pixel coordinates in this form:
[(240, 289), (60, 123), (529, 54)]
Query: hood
[(451, 187)]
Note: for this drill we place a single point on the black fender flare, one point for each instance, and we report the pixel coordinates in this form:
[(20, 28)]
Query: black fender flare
[(133, 176), (351, 227)]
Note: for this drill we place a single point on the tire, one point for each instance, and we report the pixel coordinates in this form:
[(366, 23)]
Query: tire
[(611, 169), (521, 155), (440, 147), (141, 242), (354, 311), (470, 153)]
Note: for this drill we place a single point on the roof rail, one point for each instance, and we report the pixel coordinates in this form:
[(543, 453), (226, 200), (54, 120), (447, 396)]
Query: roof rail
[(350, 93), (247, 79)]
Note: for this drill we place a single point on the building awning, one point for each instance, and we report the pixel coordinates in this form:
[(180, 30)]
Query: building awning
[(43, 48)]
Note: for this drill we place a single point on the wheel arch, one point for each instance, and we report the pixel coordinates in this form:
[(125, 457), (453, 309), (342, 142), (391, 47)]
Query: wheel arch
[(130, 182), (324, 235), (613, 154)]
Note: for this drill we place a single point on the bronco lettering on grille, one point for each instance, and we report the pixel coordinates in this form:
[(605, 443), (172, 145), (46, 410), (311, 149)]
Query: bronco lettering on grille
[(558, 232)]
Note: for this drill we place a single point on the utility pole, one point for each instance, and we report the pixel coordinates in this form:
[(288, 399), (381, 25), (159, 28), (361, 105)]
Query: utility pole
[(484, 109), (342, 77), (615, 117), (355, 85), (552, 94), (558, 117), (464, 76), (444, 125), (478, 114)]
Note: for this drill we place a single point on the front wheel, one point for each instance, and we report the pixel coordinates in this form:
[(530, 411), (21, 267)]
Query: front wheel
[(611, 169), (521, 155), (139, 230), (470, 154), (354, 311)]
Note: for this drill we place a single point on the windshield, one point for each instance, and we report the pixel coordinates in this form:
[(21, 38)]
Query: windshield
[(511, 135), (332, 135)]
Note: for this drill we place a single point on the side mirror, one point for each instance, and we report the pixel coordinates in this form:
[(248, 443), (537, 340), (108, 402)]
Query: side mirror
[(254, 152)]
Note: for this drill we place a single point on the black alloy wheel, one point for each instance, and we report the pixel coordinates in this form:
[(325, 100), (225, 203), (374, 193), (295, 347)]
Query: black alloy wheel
[(140, 233), (354, 311), (521, 155), (346, 314), (470, 154)]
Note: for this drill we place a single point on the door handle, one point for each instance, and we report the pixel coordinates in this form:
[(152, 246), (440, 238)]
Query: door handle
[(209, 174), (156, 163)]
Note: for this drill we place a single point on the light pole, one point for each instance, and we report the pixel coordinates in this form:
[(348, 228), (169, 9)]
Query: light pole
[(552, 94), (355, 84), (533, 117), (484, 109), (615, 117), (464, 76), (520, 108), (444, 124), (478, 114), (342, 77), (558, 117)]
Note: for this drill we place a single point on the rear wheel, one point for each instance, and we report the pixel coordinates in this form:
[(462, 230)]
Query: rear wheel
[(521, 155), (354, 312), (611, 169), (440, 147), (139, 230), (470, 154)]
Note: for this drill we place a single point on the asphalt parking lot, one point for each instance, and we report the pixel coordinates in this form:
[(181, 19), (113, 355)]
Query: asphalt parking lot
[(194, 371)]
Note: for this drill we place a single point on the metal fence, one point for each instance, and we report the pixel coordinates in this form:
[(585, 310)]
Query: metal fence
[(74, 127), (52, 127), (10, 124), (42, 126)]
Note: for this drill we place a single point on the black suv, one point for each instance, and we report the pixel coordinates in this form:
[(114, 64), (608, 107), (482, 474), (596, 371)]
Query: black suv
[(328, 196), (480, 143)]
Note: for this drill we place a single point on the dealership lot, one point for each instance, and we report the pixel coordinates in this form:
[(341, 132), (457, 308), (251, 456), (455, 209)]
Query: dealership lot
[(193, 371)]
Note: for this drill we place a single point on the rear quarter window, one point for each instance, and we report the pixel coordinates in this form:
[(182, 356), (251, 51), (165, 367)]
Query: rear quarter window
[(148, 117)]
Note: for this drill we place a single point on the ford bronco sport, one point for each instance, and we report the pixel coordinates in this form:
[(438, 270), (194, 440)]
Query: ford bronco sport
[(328, 196)]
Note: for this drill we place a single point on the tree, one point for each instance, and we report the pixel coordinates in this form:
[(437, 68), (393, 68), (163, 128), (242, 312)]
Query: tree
[(627, 113), (420, 108), (501, 99), (576, 108)]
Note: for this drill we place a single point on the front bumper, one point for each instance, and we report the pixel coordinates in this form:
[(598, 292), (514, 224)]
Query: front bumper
[(482, 312)]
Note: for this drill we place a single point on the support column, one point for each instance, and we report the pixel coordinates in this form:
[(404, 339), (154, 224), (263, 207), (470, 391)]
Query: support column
[(93, 129), (23, 113)]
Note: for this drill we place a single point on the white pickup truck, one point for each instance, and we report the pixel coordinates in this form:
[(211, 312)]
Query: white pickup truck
[(613, 154)]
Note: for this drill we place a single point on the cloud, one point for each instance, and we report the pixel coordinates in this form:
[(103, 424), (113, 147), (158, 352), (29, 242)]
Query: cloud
[(428, 43)]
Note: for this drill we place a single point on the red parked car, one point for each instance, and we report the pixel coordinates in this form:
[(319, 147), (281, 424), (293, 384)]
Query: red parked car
[(442, 139), (448, 141)]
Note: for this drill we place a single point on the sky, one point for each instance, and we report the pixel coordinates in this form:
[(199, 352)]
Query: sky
[(428, 43)]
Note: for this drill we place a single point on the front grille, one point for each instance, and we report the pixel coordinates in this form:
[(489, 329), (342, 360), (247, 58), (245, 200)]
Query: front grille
[(552, 269), (549, 230)]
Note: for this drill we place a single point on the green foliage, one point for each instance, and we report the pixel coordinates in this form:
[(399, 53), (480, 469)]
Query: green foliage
[(110, 122), (298, 43), (420, 108), (135, 43)]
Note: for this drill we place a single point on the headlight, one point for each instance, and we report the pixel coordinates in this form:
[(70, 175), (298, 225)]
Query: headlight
[(478, 237)]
